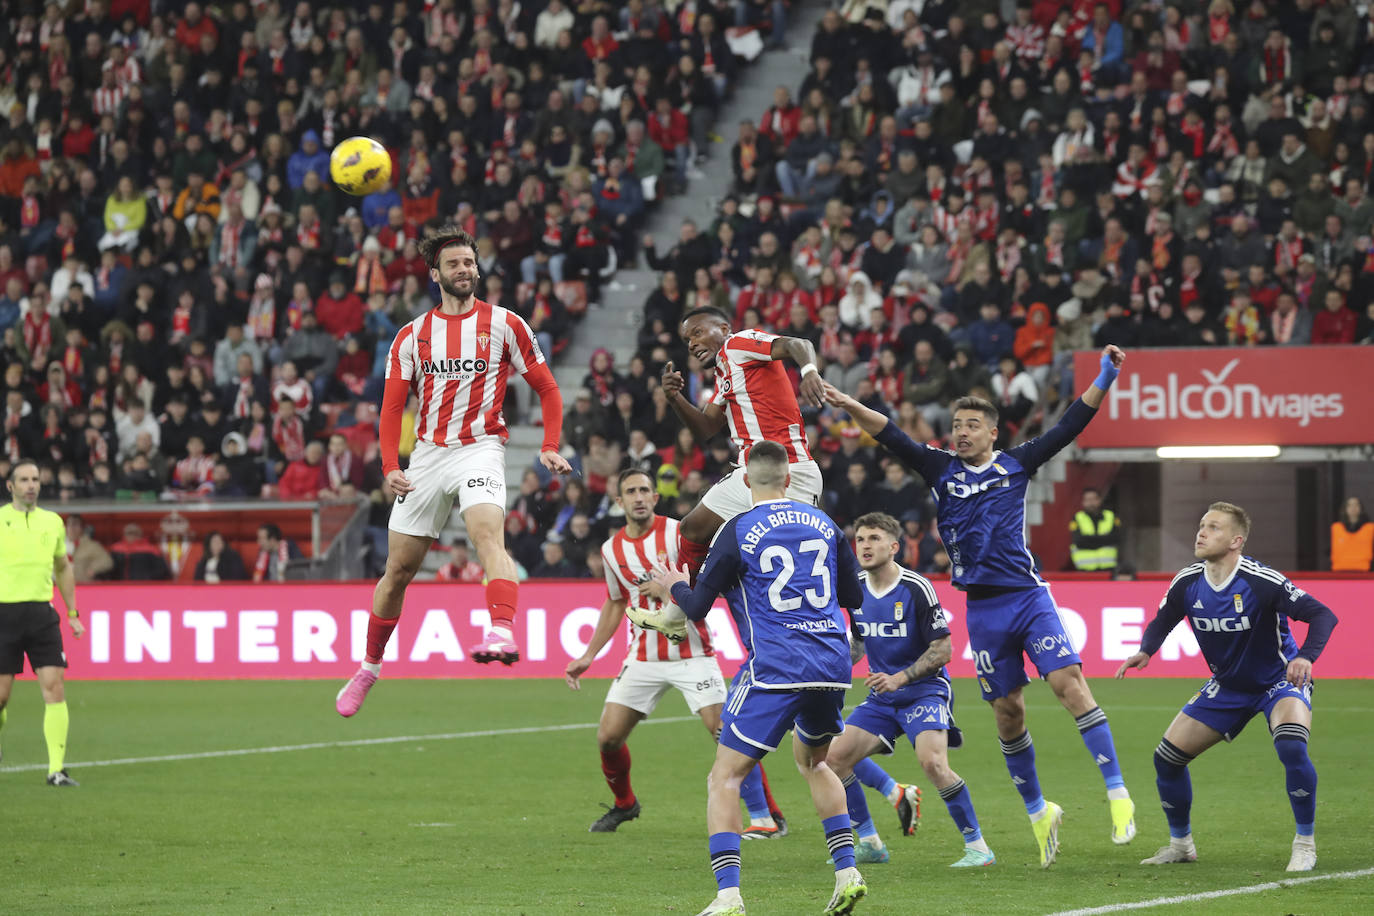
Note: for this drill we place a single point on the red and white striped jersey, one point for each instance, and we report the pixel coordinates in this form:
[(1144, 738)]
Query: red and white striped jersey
[(754, 391), (628, 562), (458, 366)]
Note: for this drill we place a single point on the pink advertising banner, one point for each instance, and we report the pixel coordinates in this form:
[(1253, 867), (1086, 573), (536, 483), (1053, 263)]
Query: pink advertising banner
[(317, 630)]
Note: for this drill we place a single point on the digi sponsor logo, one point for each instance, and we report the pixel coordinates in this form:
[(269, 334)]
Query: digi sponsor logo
[(1221, 624), (867, 630)]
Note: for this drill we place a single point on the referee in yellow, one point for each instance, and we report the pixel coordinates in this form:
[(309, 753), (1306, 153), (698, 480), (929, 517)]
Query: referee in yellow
[(33, 553)]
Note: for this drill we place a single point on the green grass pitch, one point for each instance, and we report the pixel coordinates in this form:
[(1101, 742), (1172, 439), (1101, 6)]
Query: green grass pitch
[(498, 824)]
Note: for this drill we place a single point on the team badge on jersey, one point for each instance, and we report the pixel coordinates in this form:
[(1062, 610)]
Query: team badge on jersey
[(897, 611), (483, 340), (1001, 470), (1240, 605)]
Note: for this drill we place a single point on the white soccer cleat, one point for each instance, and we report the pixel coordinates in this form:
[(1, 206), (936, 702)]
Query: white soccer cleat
[(849, 890), (1304, 854), (727, 903), (1173, 854)]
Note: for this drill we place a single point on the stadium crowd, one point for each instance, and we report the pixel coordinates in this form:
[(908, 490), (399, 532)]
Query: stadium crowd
[(947, 202), (188, 308)]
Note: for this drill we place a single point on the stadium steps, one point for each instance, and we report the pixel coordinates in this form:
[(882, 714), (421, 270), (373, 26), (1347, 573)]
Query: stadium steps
[(615, 325)]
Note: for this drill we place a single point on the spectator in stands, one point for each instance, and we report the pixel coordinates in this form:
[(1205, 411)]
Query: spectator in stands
[(305, 476), (89, 559), (1334, 324), (1352, 538), (137, 558), (461, 568), (219, 562), (554, 564), (274, 553)]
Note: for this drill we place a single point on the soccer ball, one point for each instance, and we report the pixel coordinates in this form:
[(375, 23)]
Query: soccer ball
[(360, 166)]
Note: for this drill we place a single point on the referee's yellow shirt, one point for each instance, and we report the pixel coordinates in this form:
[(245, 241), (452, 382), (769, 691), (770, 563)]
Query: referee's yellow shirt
[(29, 543)]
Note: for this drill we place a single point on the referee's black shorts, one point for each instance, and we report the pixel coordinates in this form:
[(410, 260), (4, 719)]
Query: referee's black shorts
[(32, 628)]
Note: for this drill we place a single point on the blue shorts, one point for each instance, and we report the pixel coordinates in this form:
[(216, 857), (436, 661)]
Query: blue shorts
[(1228, 711), (925, 713), (1004, 628), (754, 721)]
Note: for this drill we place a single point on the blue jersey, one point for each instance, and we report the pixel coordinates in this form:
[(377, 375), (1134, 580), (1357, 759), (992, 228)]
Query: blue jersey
[(792, 572), (1242, 624), (982, 510), (897, 627)]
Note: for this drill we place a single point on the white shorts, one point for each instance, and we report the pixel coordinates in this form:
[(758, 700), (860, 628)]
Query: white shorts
[(730, 496), (640, 685), (467, 474)]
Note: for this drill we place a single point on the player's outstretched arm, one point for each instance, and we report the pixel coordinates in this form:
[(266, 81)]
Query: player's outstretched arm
[(869, 420), (801, 352), (612, 612), (935, 657), (1113, 358), (1037, 451), (703, 423)]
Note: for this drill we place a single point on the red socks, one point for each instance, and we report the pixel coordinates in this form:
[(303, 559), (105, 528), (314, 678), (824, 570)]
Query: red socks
[(616, 766), (773, 808), (501, 602), (378, 632), (691, 555)]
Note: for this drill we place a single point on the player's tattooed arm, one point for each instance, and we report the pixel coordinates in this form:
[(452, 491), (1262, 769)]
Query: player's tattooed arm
[(803, 353), (856, 648), (935, 657)]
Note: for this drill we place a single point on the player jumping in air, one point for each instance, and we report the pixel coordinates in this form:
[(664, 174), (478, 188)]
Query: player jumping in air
[(905, 633), (794, 572), (654, 662), (981, 502), (754, 397), (1239, 610), (457, 358)]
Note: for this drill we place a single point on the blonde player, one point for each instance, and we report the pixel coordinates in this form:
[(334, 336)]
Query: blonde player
[(457, 359), (654, 663)]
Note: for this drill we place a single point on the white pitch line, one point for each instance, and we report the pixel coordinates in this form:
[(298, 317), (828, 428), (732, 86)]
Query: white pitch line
[(1212, 895), (325, 745)]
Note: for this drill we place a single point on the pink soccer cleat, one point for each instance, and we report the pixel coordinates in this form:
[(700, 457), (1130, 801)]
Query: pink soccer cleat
[(350, 699), (496, 648)]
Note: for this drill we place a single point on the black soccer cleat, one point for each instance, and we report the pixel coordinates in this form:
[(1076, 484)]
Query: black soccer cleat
[(781, 822), (60, 778), (908, 808), (613, 818)]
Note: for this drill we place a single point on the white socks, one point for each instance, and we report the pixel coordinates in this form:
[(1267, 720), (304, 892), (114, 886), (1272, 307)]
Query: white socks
[(376, 669)]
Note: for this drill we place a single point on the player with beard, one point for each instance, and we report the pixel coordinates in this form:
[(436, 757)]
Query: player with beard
[(457, 359), (754, 397)]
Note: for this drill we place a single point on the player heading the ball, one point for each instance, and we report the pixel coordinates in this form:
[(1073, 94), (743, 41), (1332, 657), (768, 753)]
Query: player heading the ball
[(457, 358)]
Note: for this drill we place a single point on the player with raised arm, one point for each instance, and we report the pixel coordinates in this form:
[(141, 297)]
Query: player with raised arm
[(1239, 611), (980, 496), (753, 397), (457, 358), (905, 634), (655, 661), (794, 572)]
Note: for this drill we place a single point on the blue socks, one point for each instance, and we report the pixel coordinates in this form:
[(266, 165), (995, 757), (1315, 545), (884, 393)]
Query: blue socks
[(1020, 754), (859, 815), (838, 838), (874, 776), (960, 805), (724, 848), (751, 790), (1097, 735), (1175, 788), (1290, 741)]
